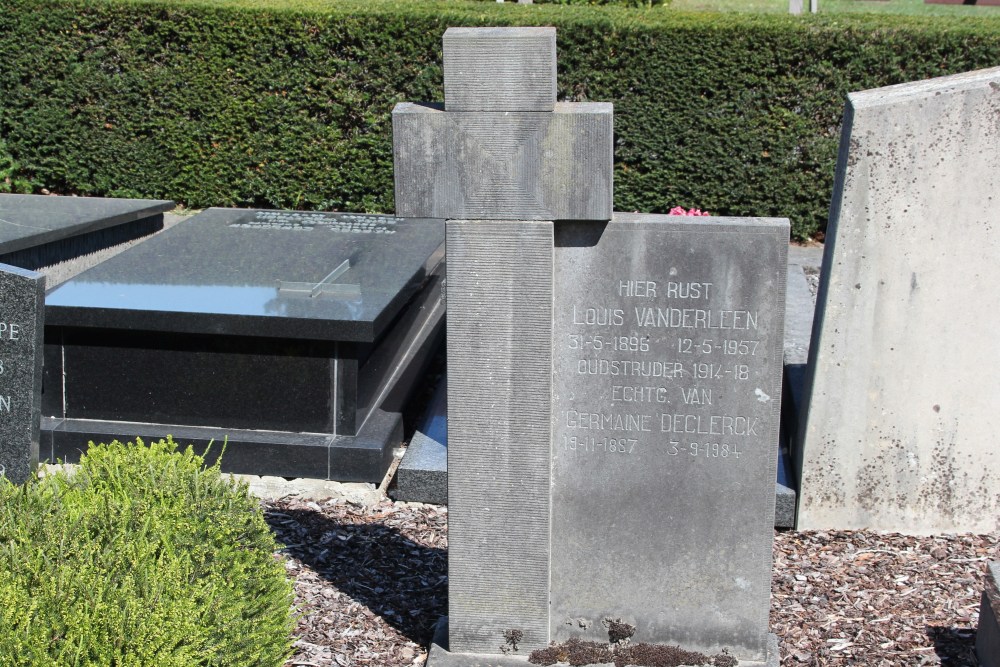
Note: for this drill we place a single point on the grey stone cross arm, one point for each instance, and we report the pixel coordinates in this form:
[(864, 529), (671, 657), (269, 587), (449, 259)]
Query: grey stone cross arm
[(502, 148)]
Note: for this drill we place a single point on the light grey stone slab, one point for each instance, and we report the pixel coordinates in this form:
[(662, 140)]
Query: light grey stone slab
[(988, 635), (22, 310), (499, 385), (504, 166), (799, 309), (667, 357), (901, 421), (500, 69)]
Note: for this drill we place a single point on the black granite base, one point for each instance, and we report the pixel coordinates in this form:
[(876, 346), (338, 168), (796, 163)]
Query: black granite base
[(988, 635), (361, 458), (439, 656), (297, 336)]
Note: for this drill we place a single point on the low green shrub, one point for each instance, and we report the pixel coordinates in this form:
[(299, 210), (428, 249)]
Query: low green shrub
[(141, 557)]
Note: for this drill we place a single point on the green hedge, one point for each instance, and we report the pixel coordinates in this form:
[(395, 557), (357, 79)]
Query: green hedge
[(225, 103), (142, 557)]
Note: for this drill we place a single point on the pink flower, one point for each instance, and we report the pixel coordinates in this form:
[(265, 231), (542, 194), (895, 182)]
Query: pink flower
[(680, 210)]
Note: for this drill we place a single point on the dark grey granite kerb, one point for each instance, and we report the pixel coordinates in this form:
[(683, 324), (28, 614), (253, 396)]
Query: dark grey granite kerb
[(422, 475), (22, 298), (988, 635)]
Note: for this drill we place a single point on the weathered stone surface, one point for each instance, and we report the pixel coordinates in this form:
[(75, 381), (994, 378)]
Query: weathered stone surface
[(667, 365), (22, 311), (499, 389), (500, 69), (901, 420), (504, 166), (988, 635)]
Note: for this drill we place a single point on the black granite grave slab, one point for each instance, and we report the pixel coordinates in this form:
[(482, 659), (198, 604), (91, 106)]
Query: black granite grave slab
[(37, 230), (21, 316), (295, 335)]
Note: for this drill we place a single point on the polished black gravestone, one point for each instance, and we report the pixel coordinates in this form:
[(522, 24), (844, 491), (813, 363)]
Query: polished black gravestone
[(295, 336), (36, 230), (22, 298)]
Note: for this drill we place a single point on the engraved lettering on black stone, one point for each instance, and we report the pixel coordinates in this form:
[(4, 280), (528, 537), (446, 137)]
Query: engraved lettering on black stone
[(351, 223)]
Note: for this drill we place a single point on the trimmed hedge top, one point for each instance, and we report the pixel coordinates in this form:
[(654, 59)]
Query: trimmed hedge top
[(287, 104)]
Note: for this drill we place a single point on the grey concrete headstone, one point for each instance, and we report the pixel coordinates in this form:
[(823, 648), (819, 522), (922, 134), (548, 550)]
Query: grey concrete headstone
[(611, 447), (667, 352), (22, 310), (499, 388), (901, 421), (988, 635), (500, 69)]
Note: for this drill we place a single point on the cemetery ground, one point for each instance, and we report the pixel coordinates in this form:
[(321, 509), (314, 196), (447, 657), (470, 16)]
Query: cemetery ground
[(371, 582)]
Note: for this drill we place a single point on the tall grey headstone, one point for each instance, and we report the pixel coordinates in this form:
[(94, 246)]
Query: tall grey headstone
[(667, 351), (901, 411), (22, 310), (614, 385)]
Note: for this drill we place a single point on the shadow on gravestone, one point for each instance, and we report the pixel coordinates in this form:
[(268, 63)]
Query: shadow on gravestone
[(614, 386), (901, 383), (22, 299)]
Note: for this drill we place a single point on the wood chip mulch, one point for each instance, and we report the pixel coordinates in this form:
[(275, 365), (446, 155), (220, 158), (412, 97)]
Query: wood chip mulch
[(371, 583)]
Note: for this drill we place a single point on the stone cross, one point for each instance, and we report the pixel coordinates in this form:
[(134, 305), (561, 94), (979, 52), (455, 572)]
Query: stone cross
[(613, 380), (501, 161), (502, 148)]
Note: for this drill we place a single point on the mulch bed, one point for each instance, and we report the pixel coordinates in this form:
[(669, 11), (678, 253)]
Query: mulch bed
[(371, 583)]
